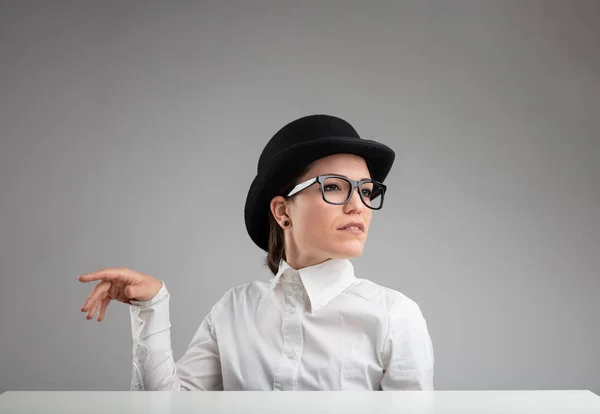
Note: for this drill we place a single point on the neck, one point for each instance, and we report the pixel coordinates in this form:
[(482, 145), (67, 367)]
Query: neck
[(304, 262), (299, 260)]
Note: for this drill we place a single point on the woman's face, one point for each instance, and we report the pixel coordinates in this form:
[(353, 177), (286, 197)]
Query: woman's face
[(319, 231)]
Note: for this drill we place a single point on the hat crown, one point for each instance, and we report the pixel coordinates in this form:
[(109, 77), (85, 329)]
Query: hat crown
[(302, 130)]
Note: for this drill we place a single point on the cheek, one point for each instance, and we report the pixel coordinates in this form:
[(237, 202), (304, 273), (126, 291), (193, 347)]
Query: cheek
[(315, 222), (367, 215)]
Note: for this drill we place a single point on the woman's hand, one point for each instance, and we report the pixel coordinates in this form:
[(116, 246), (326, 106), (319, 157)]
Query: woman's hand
[(120, 284)]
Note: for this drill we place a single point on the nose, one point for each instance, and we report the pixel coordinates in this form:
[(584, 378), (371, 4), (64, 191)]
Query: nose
[(355, 204)]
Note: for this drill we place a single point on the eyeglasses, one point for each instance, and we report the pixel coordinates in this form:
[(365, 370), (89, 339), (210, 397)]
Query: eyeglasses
[(338, 190)]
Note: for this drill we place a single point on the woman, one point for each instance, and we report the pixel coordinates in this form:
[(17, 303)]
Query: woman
[(314, 325)]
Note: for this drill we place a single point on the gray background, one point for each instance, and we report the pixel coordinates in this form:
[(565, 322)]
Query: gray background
[(130, 133)]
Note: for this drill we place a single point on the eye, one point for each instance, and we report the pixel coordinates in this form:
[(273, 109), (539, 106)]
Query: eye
[(366, 192), (331, 187)]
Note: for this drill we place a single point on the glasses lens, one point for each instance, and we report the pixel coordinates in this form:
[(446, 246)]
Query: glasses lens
[(372, 194), (336, 190)]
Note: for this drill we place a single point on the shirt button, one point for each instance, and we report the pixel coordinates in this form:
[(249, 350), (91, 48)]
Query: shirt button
[(291, 355), (292, 310)]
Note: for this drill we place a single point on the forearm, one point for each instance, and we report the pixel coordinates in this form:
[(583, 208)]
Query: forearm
[(154, 368)]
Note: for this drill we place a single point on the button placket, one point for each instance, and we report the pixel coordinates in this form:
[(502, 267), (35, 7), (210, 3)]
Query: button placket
[(286, 375)]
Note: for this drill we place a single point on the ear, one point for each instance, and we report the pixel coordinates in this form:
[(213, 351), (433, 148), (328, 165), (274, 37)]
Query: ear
[(279, 210)]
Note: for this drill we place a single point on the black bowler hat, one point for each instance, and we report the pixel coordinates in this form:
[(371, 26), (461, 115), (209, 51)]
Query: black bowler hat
[(292, 149)]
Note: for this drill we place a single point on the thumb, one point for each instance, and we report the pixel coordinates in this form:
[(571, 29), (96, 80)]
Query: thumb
[(130, 292)]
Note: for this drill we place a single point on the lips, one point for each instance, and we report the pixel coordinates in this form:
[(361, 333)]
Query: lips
[(355, 225)]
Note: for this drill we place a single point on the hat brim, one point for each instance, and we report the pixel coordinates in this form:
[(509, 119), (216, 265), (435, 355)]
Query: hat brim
[(292, 161)]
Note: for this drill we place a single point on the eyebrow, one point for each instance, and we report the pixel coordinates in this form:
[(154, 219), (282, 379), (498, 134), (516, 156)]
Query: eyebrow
[(342, 175)]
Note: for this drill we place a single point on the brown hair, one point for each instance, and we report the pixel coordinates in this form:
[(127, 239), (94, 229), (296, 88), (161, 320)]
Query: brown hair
[(276, 249)]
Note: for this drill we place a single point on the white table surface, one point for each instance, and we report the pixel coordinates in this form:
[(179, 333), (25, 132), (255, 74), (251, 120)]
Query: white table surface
[(231, 402)]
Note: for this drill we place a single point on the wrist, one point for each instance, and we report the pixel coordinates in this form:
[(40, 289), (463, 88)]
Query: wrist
[(157, 288)]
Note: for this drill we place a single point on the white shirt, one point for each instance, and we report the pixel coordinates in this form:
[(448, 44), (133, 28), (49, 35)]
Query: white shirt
[(317, 328)]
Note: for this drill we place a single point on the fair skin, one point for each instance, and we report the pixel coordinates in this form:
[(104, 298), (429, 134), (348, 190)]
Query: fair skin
[(314, 233), (120, 284), (313, 236)]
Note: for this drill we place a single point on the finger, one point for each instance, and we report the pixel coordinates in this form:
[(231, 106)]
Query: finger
[(93, 310), (92, 296), (103, 307), (99, 290), (106, 274)]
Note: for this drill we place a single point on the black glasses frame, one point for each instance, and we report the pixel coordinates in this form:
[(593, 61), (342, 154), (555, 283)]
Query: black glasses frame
[(353, 184)]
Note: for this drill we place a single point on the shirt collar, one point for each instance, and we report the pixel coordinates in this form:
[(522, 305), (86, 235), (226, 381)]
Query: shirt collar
[(323, 282)]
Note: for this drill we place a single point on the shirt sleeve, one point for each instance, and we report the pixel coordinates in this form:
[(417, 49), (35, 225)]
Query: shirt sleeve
[(408, 351), (154, 368)]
